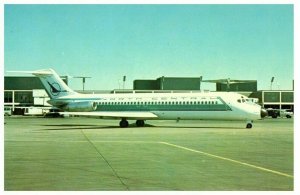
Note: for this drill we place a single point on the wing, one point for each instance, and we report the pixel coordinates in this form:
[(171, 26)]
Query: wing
[(127, 115)]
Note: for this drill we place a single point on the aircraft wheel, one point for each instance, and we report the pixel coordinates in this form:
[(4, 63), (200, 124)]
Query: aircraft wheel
[(140, 123), (249, 126), (123, 123)]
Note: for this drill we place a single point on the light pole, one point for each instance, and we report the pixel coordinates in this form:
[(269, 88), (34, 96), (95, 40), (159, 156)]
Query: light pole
[(272, 80), (83, 80), (124, 80)]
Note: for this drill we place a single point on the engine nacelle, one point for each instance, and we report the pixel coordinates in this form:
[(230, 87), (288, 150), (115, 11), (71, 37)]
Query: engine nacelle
[(80, 107)]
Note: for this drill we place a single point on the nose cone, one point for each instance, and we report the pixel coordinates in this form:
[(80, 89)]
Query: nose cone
[(263, 113)]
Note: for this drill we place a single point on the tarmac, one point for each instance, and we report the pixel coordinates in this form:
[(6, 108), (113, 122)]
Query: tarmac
[(74, 153)]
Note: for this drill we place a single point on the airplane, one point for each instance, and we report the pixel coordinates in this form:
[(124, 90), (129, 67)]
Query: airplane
[(149, 106)]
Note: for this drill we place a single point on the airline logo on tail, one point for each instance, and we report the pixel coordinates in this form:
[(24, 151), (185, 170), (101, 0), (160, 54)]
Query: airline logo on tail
[(54, 88)]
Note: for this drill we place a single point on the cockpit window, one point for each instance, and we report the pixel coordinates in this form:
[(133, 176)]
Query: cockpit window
[(241, 100)]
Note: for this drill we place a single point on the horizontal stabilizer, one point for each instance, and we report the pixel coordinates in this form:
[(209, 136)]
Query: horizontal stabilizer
[(35, 72), (127, 115)]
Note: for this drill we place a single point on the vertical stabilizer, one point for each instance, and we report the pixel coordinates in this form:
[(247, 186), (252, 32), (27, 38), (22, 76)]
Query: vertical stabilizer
[(54, 85)]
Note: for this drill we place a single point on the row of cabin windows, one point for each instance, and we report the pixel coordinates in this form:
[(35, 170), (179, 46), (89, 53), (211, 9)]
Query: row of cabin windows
[(160, 103)]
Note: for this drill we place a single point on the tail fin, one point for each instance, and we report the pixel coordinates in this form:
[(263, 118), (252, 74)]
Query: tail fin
[(54, 85)]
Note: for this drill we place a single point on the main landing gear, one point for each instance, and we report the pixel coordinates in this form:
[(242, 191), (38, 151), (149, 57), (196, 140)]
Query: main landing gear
[(140, 123), (124, 123)]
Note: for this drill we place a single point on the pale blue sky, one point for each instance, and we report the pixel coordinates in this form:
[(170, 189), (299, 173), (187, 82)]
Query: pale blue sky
[(149, 41)]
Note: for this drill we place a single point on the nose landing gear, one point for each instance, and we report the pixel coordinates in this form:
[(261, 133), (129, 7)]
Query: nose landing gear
[(249, 124)]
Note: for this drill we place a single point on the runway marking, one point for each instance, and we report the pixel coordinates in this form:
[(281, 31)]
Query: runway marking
[(169, 144), (85, 141), (228, 159), (124, 141)]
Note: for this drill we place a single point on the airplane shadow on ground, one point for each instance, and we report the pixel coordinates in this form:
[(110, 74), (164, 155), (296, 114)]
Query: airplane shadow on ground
[(197, 127), (77, 127), (62, 127)]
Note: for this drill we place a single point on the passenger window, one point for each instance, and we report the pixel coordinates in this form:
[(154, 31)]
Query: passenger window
[(239, 101)]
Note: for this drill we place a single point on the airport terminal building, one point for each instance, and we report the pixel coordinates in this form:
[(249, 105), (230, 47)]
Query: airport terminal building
[(21, 92)]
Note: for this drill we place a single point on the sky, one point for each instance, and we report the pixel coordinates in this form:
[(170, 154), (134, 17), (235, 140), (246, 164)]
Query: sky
[(106, 42)]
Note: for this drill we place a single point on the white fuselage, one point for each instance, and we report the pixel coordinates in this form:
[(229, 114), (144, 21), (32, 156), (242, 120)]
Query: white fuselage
[(186, 106)]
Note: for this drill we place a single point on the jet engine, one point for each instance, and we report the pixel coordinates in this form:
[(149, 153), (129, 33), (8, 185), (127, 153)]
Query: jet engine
[(80, 107)]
